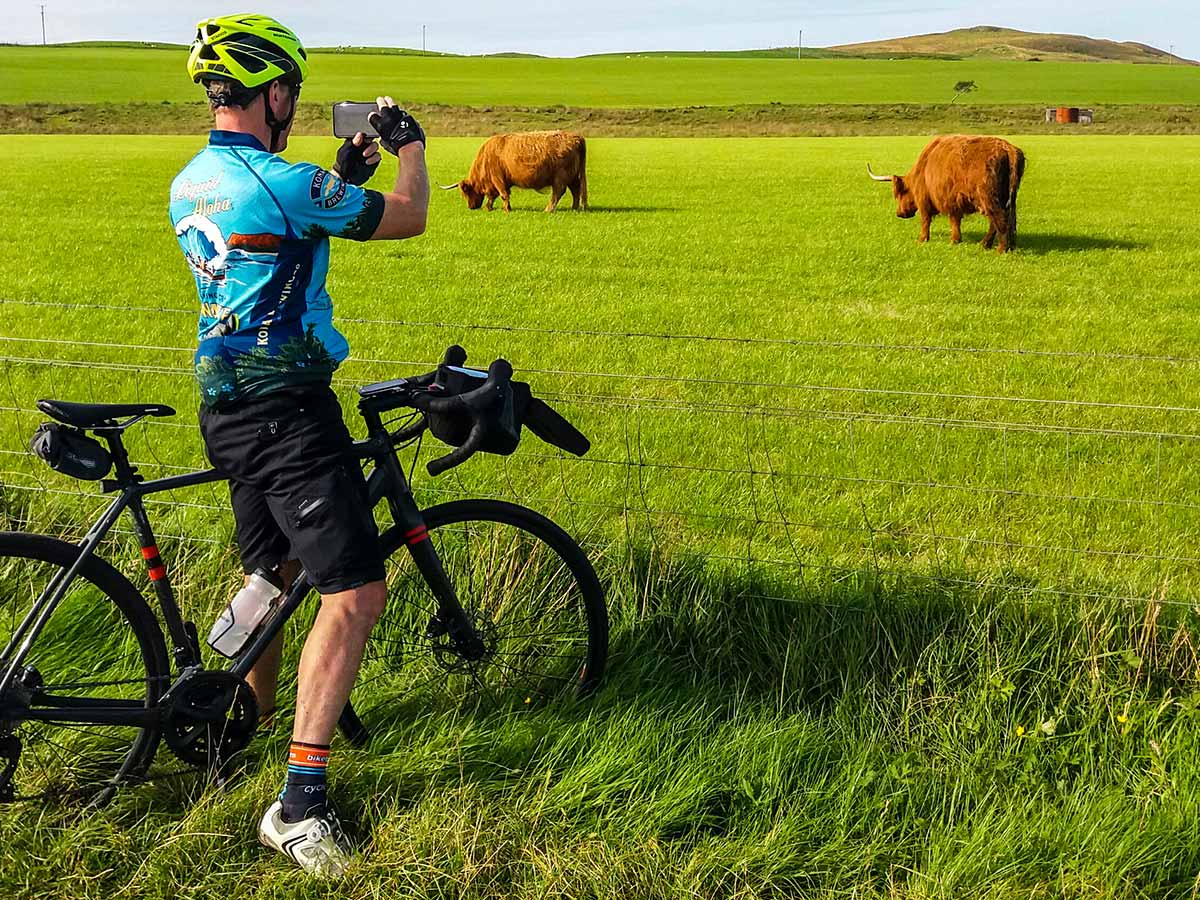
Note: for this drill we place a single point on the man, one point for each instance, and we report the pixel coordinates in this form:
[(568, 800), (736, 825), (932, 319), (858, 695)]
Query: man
[(255, 230)]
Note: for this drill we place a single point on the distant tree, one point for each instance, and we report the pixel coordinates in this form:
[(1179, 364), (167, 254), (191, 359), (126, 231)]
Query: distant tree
[(963, 87)]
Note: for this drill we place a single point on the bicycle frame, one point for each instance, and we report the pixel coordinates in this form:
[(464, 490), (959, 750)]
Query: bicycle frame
[(386, 480)]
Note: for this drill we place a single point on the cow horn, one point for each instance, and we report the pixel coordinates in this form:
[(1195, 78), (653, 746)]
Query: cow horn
[(875, 177), (449, 187)]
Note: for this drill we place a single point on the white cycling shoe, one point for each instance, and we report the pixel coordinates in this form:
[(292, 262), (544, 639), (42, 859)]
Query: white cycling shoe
[(318, 844)]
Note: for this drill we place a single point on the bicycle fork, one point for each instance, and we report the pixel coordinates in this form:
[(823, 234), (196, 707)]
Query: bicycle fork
[(450, 620)]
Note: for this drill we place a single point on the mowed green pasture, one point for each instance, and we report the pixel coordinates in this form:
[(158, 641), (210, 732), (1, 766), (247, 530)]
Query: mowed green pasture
[(115, 74), (885, 525)]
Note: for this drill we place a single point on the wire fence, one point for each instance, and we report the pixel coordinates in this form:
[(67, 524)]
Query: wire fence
[(788, 483)]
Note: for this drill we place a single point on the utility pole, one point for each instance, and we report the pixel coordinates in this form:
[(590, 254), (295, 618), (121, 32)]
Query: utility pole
[(43, 5), (800, 44), (422, 40)]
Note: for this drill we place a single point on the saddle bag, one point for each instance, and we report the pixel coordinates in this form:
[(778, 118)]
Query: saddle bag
[(71, 451)]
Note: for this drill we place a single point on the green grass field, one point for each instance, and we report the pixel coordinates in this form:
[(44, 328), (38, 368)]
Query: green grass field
[(901, 554), (108, 75)]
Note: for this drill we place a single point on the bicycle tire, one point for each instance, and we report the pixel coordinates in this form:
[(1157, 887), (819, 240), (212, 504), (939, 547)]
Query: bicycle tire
[(83, 777), (395, 646)]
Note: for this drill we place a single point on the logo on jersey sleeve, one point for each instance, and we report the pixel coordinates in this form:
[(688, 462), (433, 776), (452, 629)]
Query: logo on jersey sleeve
[(326, 189)]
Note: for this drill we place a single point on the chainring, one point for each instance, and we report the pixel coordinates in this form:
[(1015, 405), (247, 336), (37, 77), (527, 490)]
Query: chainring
[(210, 718)]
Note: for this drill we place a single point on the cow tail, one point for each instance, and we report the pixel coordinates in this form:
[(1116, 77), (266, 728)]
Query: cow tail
[(583, 172), (1016, 171)]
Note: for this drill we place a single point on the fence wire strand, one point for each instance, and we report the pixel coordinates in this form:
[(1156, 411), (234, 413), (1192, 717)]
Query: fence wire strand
[(751, 509)]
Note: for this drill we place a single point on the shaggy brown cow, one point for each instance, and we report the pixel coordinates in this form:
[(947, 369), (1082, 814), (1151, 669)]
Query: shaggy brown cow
[(958, 175), (531, 159)]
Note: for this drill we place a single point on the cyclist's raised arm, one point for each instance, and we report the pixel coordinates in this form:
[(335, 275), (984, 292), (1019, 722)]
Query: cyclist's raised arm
[(405, 207)]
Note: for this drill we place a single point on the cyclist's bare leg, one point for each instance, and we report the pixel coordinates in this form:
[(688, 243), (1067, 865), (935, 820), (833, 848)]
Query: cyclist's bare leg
[(264, 677), (331, 658)]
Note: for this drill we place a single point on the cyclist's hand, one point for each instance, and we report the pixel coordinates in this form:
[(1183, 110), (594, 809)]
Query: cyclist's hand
[(357, 159), (396, 127)]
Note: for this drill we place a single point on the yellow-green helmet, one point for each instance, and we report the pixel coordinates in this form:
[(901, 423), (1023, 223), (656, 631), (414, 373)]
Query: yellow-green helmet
[(250, 49)]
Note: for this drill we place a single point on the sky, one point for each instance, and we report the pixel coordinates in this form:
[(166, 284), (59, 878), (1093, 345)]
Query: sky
[(576, 27)]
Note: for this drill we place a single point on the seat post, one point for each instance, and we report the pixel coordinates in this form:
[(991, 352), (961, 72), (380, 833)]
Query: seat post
[(126, 473)]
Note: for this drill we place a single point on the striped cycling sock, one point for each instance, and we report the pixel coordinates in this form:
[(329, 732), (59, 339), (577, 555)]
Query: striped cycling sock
[(304, 792)]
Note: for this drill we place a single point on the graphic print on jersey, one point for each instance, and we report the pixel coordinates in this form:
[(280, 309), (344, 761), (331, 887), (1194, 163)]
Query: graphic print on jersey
[(203, 245), (254, 230)]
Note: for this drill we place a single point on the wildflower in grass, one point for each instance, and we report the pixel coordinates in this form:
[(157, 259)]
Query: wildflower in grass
[(1020, 731)]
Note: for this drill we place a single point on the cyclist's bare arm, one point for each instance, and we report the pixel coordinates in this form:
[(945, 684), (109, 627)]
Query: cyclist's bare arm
[(405, 207)]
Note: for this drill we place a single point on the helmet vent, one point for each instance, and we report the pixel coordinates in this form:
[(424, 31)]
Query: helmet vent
[(249, 62)]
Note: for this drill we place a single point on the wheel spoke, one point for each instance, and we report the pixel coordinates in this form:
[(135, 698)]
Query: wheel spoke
[(90, 652), (520, 594)]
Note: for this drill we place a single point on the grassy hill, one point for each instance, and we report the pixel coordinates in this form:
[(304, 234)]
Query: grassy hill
[(990, 42), (759, 53), (63, 75), (980, 42)]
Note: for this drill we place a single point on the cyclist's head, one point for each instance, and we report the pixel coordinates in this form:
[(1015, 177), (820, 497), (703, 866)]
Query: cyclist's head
[(240, 58)]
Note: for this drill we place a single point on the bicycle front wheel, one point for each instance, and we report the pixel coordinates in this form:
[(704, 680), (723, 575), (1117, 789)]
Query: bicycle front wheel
[(530, 593), (101, 647)]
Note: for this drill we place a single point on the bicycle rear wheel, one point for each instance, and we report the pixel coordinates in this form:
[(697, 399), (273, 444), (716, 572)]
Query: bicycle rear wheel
[(531, 594), (101, 646)]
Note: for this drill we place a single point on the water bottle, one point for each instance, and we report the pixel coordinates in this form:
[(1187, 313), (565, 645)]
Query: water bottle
[(245, 611)]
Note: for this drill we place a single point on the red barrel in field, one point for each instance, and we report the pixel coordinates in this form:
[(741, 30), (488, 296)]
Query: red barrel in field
[(1067, 115)]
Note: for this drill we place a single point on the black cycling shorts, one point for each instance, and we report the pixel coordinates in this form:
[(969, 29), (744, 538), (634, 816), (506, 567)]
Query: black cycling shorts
[(297, 489)]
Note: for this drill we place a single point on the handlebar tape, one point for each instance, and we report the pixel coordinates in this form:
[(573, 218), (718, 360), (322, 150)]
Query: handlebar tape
[(458, 455), (472, 402)]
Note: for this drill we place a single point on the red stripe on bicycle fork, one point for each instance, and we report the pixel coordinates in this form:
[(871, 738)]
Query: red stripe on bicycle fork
[(158, 573), (418, 534), (149, 552)]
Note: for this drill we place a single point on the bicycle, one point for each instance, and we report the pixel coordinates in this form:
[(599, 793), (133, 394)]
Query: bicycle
[(488, 601)]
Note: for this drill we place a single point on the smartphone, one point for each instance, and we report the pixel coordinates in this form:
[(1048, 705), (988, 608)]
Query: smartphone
[(349, 118)]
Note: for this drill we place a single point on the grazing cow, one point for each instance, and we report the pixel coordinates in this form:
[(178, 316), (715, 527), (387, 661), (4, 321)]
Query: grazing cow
[(960, 174), (530, 159)]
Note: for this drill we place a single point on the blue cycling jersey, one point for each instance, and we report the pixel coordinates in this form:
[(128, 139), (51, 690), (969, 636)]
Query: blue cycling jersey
[(255, 230)]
